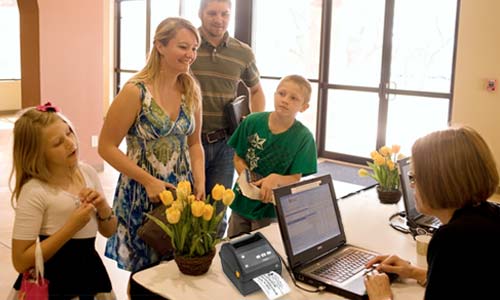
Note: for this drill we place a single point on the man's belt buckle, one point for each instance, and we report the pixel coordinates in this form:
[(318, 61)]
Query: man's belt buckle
[(212, 137)]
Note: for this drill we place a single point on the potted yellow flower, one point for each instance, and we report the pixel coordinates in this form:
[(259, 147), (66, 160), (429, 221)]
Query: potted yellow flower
[(385, 172), (192, 226)]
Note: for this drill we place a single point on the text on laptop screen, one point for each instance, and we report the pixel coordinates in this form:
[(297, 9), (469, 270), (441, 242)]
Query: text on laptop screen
[(310, 217)]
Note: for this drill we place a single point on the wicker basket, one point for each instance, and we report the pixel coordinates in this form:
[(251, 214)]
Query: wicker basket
[(389, 197), (197, 265)]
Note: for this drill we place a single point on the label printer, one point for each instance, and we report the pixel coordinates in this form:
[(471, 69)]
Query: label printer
[(246, 258)]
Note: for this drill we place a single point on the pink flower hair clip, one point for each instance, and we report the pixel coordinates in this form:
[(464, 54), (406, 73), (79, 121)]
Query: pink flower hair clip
[(48, 107)]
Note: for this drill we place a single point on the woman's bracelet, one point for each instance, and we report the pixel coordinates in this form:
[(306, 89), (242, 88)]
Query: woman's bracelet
[(105, 219), (423, 282)]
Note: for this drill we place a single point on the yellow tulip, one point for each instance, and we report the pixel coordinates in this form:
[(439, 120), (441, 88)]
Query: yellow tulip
[(401, 156), (166, 197), (395, 148), (374, 154), (178, 204), (191, 198), (385, 151), (390, 165), (208, 211), (228, 197), (217, 192), (197, 208), (363, 172), (379, 160), (183, 190), (173, 215)]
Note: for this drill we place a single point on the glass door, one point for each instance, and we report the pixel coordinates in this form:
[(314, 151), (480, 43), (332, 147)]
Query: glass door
[(390, 74), (354, 76), (421, 68)]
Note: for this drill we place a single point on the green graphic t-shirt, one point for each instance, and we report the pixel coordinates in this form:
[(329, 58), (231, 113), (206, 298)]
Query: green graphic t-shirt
[(287, 153)]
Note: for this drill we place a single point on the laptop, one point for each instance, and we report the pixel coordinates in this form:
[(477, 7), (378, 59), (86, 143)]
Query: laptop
[(315, 241), (413, 217)]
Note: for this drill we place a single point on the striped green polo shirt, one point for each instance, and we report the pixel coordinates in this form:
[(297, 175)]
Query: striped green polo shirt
[(218, 70)]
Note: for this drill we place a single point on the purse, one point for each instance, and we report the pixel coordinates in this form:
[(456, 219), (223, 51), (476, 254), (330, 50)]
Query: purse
[(33, 285), (153, 235), (235, 112)]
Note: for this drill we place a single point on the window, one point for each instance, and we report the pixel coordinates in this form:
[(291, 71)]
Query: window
[(136, 30), (10, 52), (377, 67), (293, 47)]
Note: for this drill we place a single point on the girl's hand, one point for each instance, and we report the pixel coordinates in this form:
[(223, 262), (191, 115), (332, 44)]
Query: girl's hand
[(80, 217), (155, 187), (93, 197)]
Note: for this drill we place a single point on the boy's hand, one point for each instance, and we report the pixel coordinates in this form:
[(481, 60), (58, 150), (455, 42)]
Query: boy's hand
[(267, 184)]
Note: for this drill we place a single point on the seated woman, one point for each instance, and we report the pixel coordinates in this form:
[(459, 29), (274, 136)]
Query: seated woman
[(454, 174)]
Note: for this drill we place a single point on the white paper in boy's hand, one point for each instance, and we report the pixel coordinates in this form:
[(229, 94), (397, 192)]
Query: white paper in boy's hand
[(248, 189)]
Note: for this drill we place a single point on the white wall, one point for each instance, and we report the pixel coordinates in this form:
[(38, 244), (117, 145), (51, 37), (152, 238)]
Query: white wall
[(478, 60), (10, 95)]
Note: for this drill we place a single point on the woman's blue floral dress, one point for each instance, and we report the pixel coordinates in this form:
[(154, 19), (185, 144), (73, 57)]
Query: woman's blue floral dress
[(158, 145)]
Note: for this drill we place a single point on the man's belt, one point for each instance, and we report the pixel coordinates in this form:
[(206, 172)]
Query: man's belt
[(213, 136)]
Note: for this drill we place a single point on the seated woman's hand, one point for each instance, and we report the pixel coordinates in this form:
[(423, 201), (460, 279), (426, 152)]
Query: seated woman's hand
[(378, 286), (392, 264)]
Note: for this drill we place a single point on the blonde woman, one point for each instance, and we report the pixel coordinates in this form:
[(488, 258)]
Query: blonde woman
[(158, 112)]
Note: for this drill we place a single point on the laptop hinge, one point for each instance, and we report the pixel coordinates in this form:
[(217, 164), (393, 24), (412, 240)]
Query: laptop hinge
[(316, 258)]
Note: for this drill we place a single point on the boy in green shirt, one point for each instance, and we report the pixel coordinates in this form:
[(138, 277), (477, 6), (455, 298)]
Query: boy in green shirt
[(276, 146)]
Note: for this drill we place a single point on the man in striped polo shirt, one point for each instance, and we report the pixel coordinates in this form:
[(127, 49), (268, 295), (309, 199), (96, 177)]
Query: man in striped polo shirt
[(222, 62)]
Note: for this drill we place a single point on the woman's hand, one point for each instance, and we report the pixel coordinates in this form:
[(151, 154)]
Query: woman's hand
[(199, 191), (392, 264), (155, 187), (378, 286)]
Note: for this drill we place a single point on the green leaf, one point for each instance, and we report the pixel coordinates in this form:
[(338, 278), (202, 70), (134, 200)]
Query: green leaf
[(204, 225), (215, 221), (193, 246), (200, 249), (205, 240), (185, 230)]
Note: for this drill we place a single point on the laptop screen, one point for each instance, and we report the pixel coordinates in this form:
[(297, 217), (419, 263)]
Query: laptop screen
[(408, 193), (309, 219)]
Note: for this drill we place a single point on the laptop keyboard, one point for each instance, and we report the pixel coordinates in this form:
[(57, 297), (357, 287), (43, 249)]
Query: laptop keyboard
[(431, 221), (344, 266)]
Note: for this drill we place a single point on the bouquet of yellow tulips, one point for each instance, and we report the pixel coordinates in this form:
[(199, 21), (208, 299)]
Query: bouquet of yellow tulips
[(384, 169), (192, 224)]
